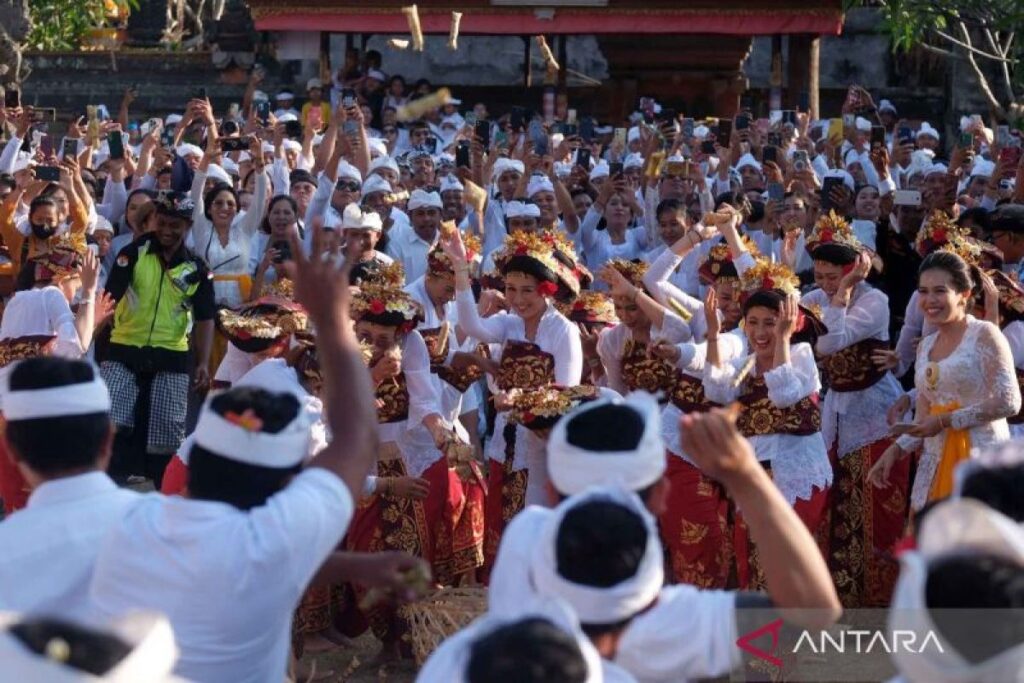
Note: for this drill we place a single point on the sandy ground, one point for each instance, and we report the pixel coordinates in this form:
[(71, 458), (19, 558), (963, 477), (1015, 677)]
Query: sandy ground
[(355, 665)]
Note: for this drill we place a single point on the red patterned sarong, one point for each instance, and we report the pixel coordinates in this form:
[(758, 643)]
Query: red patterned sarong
[(455, 515), (506, 496), (749, 574), (694, 527), (863, 524)]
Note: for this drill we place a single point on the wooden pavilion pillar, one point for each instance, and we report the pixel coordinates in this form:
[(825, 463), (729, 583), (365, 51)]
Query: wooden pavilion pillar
[(802, 66)]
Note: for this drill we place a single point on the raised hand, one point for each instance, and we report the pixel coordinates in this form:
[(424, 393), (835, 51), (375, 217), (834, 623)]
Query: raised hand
[(319, 287)]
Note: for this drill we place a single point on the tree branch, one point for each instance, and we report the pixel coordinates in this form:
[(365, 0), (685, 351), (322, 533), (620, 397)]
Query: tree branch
[(1007, 81), (970, 48), (982, 81)]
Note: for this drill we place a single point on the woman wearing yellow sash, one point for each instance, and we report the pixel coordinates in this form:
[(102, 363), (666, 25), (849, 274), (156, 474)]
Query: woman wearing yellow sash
[(965, 382)]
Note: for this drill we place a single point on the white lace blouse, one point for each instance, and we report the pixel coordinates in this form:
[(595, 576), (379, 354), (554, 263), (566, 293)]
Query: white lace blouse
[(978, 376), (854, 418), (231, 258), (799, 463), (557, 336)]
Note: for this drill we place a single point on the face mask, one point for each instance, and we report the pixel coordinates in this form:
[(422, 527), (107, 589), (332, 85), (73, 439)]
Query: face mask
[(42, 231)]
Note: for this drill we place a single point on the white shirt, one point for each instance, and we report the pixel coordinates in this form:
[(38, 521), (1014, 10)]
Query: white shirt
[(43, 312), (50, 547), (228, 580), (598, 248), (406, 246), (689, 633)]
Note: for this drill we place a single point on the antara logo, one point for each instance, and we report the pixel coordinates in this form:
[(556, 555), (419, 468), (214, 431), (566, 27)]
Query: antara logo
[(853, 641)]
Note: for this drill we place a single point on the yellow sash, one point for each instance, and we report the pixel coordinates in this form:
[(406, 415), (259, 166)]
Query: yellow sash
[(244, 282), (956, 449)]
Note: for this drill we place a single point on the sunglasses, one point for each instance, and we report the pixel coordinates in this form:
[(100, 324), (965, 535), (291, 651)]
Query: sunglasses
[(347, 185)]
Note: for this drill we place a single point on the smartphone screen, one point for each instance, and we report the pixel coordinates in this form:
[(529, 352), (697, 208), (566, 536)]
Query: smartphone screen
[(707, 147), (583, 158), (348, 98), (614, 169), (771, 154), (263, 111), (905, 134), (966, 140), (234, 144), (46, 146), (483, 132), (462, 154), (50, 174), (116, 144), (776, 192), (70, 148), (742, 122), (724, 131), (877, 136), (587, 129), (12, 98)]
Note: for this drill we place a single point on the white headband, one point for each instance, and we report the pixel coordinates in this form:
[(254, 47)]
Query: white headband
[(596, 605), (515, 209), (83, 398), (286, 448), (573, 469), (964, 527), (539, 183), (420, 198), (448, 663), (504, 164), (151, 658)]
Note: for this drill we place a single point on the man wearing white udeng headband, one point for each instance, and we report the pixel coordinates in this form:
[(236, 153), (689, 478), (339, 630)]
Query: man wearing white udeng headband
[(688, 633), (60, 436)]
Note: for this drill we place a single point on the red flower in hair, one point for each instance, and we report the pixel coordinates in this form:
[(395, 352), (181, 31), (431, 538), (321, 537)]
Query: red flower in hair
[(547, 288), (527, 417), (767, 283), (578, 305), (939, 235), (376, 306), (826, 235), (521, 250)]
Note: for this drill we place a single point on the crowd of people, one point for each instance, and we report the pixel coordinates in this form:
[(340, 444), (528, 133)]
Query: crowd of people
[(625, 379)]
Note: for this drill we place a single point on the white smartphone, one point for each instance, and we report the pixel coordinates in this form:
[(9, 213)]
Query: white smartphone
[(907, 198)]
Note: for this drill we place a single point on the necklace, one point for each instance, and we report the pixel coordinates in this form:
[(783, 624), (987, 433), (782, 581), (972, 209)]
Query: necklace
[(931, 375)]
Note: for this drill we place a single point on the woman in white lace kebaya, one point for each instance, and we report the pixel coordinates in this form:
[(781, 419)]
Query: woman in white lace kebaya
[(864, 522), (965, 381), (777, 387)]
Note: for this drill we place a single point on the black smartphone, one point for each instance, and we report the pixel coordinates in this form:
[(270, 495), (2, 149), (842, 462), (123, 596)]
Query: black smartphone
[(570, 130), (116, 144), (234, 144), (12, 97), (614, 169), (966, 140), (804, 101), (583, 158), (770, 153), (666, 114), (688, 126), (50, 174), (746, 103), (284, 251), (69, 148), (462, 154), (482, 130), (263, 111), (724, 132), (349, 98), (789, 116), (707, 147), (776, 192), (827, 186), (517, 119), (742, 122), (40, 114), (774, 139), (199, 94), (46, 146), (905, 134), (293, 129), (877, 136), (587, 129)]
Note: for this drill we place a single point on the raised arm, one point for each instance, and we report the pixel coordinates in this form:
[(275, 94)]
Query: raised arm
[(350, 408)]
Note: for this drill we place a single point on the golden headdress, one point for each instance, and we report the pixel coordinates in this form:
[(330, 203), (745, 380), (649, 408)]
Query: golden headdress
[(542, 408), (541, 249), (438, 262), (768, 275), (387, 303), (379, 273), (633, 271), (591, 308), (718, 264), (832, 229), (258, 325), (940, 232)]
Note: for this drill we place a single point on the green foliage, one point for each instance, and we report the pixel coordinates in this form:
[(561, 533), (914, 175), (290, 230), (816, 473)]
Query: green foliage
[(62, 24)]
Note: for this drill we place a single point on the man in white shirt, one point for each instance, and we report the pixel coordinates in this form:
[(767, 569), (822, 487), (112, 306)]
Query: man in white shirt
[(689, 633), (411, 245), (229, 562), (59, 435)]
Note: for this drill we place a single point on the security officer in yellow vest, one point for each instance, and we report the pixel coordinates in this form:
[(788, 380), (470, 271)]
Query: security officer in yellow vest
[(162, 289)]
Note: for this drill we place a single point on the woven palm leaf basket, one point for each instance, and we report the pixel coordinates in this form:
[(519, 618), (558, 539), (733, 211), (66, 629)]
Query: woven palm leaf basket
[(439, 615)]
